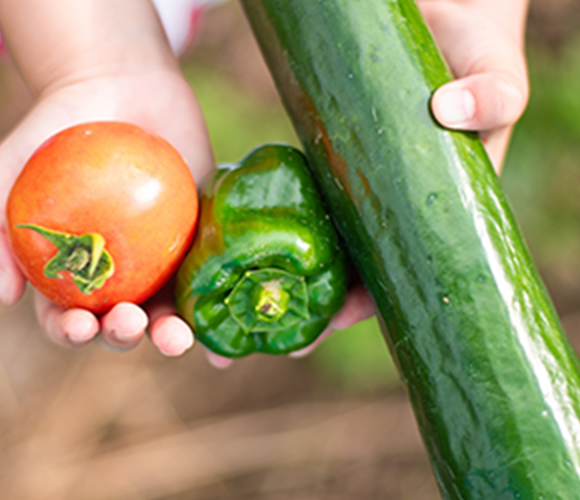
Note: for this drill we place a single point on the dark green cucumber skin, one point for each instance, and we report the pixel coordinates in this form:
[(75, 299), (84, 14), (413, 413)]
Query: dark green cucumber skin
[(492, 379)]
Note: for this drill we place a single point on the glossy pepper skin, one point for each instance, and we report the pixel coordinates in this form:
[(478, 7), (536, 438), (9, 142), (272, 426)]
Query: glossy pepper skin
[(265, 272)]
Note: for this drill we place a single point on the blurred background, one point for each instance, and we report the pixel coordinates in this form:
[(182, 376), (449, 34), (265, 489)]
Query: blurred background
[(87, 424)]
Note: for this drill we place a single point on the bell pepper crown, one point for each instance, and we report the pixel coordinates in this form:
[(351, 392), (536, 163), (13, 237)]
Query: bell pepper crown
[(266, 271)]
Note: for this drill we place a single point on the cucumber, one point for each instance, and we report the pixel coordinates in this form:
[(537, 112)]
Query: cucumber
[(492, 379)]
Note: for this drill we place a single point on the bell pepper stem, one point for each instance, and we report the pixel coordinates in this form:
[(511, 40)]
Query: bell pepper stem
[(272, 301), (268, 299)]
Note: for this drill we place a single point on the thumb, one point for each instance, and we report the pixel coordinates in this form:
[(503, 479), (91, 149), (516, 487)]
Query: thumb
[(481, 102), (488, 102), (12, 282)]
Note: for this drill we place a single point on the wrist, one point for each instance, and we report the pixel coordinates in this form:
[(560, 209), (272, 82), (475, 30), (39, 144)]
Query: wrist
[(58, 43)]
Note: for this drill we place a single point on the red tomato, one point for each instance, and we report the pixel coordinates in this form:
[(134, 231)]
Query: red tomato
[(102, 213)]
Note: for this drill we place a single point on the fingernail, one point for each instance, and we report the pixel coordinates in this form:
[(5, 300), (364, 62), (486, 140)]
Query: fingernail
[(125, 323), (173, 337), (125, 336), (218, 361), (79, 326), (183, 339), (455, 107), (302, 353)]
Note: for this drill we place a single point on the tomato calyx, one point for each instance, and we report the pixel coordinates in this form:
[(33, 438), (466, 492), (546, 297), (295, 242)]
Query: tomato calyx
[(83, 256)]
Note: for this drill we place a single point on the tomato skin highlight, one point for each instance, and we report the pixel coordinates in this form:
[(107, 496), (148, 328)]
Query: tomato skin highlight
[(114, 179)]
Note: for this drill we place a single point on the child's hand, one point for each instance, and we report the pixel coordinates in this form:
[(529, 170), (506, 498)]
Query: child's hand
[(482, 41), (125, 73), (119, 98)]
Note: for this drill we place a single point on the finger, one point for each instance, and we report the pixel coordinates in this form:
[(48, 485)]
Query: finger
[(171, 335), (496, 144), (67, 327), (484, 101), (12, 282), (123, 327), (357, 308), (308, 349), (216, 360), (168, 332)]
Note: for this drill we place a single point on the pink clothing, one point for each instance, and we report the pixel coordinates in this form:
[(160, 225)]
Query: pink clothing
[(180, 18)]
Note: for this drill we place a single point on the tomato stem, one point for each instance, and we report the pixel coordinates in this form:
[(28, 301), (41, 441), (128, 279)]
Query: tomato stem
[(83, 256)]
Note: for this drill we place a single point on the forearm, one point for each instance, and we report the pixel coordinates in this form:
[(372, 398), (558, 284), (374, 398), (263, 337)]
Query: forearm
[(63, 41)]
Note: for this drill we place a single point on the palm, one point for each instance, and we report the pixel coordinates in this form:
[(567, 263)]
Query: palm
[(162, 102)]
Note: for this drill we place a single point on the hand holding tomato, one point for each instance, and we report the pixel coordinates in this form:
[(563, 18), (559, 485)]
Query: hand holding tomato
[(123, 325), (134, 78), (153, 235)]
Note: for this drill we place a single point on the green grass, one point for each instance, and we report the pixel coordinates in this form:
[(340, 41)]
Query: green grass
[(237, 122), (356, 358), (542, 171)]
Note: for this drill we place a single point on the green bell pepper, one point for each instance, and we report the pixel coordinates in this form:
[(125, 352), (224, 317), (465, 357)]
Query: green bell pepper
[(266, 271)]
